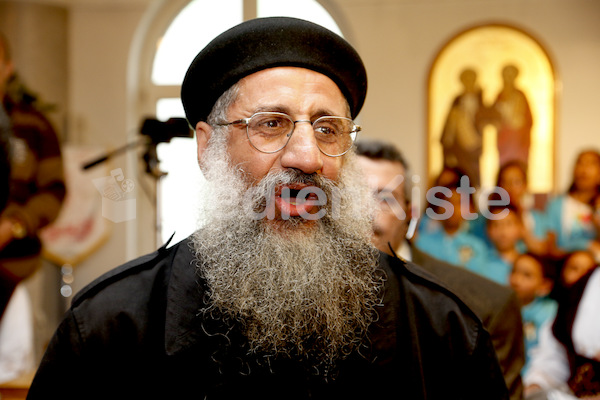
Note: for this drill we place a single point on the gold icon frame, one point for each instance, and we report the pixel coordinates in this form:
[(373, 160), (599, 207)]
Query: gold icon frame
[(486, 49)]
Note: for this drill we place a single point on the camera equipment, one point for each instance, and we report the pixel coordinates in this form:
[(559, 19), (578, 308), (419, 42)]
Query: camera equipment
[(154, 132), (162, 132)]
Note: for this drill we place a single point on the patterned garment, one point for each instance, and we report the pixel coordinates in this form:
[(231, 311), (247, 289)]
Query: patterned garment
[(36, 184)]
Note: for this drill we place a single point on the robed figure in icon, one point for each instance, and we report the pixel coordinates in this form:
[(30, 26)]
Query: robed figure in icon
[(462, 136), (513, 119)]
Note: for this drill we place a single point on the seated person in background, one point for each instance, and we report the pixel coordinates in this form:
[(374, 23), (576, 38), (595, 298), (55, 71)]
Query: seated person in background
[(453, 243), (280, 293), (532, 278), (386, 171), (512, 177), (572, 267), (448, 176), (504, 234), (475, 225), (575, 266), (566, 362), (569, 216)]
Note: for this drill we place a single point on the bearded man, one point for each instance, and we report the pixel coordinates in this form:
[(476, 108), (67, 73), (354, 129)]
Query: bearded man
[(280, 293)]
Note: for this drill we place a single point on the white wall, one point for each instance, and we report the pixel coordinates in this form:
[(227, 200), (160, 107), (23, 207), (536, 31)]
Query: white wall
[(100, 42), (38, 37)]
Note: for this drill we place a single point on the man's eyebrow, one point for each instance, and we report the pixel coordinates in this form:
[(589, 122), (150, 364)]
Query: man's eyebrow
[(274, 108), (285, 110), (323, 112)]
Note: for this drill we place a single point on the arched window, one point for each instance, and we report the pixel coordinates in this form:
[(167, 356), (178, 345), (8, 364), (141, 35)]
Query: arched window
[(194, 26)]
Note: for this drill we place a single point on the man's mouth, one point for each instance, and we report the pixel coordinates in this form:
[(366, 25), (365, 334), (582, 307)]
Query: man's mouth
[(294, 200)]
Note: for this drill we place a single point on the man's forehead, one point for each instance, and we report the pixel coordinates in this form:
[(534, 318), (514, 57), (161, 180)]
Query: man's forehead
[(382, 167), (265, 84), (282, 71), (383, 175)]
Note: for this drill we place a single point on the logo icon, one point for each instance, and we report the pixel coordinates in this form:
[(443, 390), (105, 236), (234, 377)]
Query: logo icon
[(118, 196)]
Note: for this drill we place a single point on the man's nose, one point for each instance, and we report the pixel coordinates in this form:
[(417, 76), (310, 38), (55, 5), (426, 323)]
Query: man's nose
[(302, 152)]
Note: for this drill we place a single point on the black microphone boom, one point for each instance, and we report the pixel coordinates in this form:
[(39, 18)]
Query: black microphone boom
[(105, 157)]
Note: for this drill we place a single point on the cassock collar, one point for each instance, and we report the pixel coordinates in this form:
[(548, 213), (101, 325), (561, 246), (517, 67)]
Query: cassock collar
[(184, 300)]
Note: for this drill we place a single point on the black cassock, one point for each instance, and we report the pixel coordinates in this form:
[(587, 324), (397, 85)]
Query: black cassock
[(137, 333)]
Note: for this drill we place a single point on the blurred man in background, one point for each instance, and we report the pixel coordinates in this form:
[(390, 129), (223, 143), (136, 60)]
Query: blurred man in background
[(386, 171)]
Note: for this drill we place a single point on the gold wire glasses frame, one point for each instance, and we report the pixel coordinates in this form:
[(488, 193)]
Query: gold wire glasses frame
[(269, 132)]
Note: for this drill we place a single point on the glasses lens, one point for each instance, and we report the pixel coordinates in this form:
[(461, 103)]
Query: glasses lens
[(269, 132), (335, 135)]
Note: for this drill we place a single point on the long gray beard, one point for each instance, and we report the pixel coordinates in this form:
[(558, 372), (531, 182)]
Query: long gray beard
[(307, 292)]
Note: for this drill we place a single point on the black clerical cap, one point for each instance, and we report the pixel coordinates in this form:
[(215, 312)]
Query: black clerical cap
[(264, 43)]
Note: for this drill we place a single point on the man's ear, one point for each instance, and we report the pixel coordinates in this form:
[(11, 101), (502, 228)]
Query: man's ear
[(203, 134)]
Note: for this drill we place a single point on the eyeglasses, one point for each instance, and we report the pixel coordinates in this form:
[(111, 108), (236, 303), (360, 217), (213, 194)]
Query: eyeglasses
[(269, 132)]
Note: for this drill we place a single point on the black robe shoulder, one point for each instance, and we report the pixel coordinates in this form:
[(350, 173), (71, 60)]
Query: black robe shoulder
[(136, 333)]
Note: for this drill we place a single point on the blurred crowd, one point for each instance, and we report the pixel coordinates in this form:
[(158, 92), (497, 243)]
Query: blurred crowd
[(526, 268), (541, 253)]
